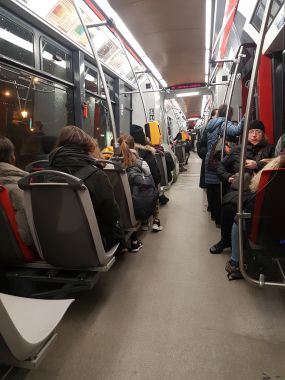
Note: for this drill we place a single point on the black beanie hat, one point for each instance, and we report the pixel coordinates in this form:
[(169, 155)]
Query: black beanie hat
[(256, 124), (138, 134)]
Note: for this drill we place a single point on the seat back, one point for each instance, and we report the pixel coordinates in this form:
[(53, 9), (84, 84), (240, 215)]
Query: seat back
[(268, 231), (120, 183), (13, 249), (62, 220), (161, 163), (37, 165)]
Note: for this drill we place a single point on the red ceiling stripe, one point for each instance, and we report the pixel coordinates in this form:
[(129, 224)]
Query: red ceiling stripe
[(225, 36)]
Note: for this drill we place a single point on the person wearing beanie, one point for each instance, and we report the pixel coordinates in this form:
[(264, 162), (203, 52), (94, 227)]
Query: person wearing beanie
[(147, 153), (257, 151)]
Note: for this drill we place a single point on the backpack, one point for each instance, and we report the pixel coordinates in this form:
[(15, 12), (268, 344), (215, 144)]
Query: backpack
[(144, 192), (216, 150)]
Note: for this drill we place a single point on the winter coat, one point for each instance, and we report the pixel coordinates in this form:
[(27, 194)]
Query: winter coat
[(9, 177), (231, 163), (147, 153), (202, 151), (70, 159), (215, 126)]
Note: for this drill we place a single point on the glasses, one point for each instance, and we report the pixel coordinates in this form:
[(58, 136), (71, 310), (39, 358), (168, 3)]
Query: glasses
[(256, 131)]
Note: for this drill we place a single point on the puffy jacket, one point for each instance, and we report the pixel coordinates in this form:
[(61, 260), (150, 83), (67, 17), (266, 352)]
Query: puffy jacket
[(231, 163), (147, 153), (70, 159), (214, 127), (9, 177)]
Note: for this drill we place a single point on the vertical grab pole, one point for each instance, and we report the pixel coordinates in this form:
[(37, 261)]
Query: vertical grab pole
[(240, 214), (101, 72), (131, 66), (228, 106)]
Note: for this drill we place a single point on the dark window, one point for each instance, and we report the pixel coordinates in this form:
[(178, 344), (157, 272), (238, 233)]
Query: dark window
[(257, 17), (56, 62), (32, 112), (110, 85), (16, 42), (98, 123), (91, 80)]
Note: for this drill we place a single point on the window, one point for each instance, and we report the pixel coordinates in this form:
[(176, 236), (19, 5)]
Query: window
[(55, 61), (91, 80), (257, 17), (32, 112), (16, 42), (111, 87), (98, 122)]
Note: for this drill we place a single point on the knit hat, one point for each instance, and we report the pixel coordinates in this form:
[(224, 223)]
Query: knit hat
[(138, 134), (257, 124)]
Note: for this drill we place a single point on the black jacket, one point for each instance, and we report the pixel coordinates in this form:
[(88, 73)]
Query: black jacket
[(230, 164), (70, 159), (147, 153)]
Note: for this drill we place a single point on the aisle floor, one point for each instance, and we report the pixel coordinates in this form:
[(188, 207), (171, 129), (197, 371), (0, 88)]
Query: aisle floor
[(169, 312)]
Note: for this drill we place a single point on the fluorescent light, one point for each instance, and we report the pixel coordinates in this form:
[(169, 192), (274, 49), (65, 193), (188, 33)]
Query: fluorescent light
[(184, 94), (15, 40), (208, 37), (193, 118), (163, 83)]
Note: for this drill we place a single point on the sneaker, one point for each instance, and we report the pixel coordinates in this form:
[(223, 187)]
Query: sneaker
[(232, 267), (156, 227), (136, 246)]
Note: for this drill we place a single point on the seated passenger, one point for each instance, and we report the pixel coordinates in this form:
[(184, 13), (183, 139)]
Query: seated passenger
[(74, 151), (232, 266), (9, 177), (147, 153), (280, 146), (257, 150)]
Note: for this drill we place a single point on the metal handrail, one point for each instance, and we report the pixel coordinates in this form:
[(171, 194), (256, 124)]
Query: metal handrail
[(240, 214), (101, 72)]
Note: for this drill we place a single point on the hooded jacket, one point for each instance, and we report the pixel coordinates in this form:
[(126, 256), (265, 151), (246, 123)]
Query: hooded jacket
[(9, 177), (215, 127), (70, 159), (147, 153)]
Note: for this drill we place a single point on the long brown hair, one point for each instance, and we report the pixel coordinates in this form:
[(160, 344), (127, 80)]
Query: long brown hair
[(7, 150), (129, 158)]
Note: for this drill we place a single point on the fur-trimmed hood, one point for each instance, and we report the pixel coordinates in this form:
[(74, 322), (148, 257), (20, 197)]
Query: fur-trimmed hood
[(10, 174), (146, 148)]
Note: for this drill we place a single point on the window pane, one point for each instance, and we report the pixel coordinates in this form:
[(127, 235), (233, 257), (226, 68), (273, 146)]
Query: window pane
[(16, 42), (98, 123), (91, 80), (32, 112), (110, 85), (56, 61)]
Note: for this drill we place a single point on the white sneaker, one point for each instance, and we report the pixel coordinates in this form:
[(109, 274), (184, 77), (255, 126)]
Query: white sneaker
[(156, 227)]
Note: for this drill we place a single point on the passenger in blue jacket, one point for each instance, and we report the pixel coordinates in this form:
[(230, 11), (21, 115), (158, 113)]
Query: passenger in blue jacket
[(215, 128)]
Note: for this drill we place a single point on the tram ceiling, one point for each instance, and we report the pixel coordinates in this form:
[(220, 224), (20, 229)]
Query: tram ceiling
[(172, 34)]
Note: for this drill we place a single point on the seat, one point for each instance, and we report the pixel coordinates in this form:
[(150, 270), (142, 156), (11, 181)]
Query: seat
[(13, 249), (27, 328), (119, 180), (161, 163), (37, 165), (63, 222), (267, 230)]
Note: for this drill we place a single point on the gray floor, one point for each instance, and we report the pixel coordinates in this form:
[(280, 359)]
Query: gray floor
[(170, 313)]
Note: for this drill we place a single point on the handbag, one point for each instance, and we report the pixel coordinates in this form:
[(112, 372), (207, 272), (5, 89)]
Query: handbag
[(216, 151)]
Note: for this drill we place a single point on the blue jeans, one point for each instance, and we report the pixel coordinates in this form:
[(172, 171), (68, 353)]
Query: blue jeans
[(235, 247)]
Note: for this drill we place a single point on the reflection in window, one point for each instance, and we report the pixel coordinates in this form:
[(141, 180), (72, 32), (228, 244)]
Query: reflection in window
[(32, 112), (55, 61), (98, 122), (91, 80), (16, 42), (110, 85)]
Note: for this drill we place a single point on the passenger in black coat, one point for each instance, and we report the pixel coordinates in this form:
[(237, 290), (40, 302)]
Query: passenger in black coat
[(257, 150), (75, 150)]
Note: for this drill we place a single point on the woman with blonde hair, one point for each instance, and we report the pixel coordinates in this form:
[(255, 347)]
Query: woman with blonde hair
[(76, 154)]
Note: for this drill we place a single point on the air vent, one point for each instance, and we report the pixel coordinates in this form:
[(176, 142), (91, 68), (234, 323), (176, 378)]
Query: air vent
[(224, 78), (148, 86)]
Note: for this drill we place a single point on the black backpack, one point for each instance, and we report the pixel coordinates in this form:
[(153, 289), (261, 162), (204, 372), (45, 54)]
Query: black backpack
[(144, 192)]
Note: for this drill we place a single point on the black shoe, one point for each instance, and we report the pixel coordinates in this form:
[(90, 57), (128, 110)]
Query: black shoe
[(218, 248), (163, 200)]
